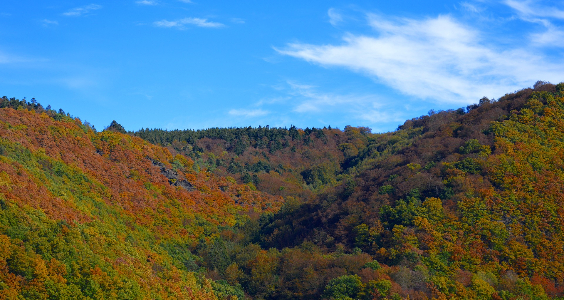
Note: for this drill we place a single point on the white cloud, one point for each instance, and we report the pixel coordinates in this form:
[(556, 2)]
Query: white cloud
[(8, 58), (180, 24), (201, 22), (529, 9), (248, 113), (46, 22), (78, 82), (552, 36), (368, 107), (470, 7), (334, 16), (275, 100), (146, 2), (310, 100), (186, 1), (305, 105), (311, 103), (377, 116), (165, 23), (438, 59), (237, 20), (79, 11)]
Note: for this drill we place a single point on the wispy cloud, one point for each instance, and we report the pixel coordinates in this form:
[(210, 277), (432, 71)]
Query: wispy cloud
[(437, 59), (181, 24), (83, 10), (372, 108), (304, 104), (553, 35), (47, 23), (248, 113), (146, 2), (8, 58), (532, 9), (308, 99), (186, 1), (334, 16), (78, 82), (237, 20), (470, 7)]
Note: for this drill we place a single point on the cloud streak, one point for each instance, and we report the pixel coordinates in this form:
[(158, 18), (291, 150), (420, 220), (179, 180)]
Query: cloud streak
[(311, 101), (437, 59), (470, 7), (334, 17), (146, 2), (47, 23), (8, 58), (248, 113), (553, 36), (368, 107), (302, 104), (528, 9), (83, 10), (182, 23)]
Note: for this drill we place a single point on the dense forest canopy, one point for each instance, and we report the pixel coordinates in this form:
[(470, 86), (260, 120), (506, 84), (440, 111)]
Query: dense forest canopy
[(458, 204)]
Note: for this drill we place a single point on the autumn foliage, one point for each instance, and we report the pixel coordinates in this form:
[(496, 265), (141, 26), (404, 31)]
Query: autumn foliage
[(93, 215), (459, 204)]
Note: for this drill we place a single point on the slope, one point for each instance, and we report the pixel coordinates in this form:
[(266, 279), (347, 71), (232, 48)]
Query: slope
[(472, 208), (87, 215)]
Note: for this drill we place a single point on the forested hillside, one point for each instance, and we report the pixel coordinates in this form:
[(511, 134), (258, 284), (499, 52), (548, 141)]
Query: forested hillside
[(459, 204), (87, 215), (280, 161)]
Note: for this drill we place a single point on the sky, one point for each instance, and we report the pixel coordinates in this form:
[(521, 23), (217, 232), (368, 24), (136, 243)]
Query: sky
[(194, 64)]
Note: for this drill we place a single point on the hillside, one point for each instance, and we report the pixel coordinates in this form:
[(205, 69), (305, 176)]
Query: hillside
[(106, 215), (280, 161), (459, 204)]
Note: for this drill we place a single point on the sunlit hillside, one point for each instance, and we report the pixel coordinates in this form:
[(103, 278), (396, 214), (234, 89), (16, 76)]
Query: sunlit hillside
[(458, 204)]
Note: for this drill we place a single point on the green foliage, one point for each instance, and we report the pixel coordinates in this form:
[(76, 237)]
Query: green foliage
[(343, 287), (483, 284), (380, 288), (374, 265), (182, 256), (402, 214), (225, 291), (386, 189), (469, 165), (471, 146), (362, 235), (116, 127)]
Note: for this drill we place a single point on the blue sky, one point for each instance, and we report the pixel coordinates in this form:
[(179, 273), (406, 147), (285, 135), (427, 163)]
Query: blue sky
[(179, 64)]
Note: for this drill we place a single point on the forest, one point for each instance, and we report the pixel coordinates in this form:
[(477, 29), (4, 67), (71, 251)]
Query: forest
[(459, 204)]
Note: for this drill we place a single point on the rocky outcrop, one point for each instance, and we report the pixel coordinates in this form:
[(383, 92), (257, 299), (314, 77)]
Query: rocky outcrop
[(173, 177)]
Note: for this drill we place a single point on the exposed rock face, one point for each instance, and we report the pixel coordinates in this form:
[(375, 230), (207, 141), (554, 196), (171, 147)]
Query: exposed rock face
[(184, 184), (173, 178)]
